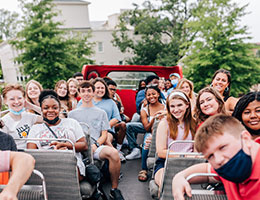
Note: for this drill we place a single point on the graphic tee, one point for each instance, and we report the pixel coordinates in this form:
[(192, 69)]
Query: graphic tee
[(19, 129), (67, 129)]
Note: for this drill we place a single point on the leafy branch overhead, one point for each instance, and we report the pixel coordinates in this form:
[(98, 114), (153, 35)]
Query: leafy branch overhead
[(220, 43), (203, 36), (49, 53), (159, 32)]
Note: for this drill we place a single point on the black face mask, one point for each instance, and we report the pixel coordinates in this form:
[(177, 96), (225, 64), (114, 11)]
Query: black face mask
[(52, 122), (237, 169)]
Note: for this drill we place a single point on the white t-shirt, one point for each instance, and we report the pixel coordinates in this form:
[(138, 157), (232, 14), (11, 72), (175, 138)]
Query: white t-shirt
[(67, 128), (19, 129)]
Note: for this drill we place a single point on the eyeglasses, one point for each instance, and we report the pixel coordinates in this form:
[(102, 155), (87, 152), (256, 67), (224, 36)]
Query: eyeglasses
[(112, 89)]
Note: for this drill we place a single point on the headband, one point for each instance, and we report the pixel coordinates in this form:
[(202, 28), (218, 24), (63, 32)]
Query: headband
[(177, 93)]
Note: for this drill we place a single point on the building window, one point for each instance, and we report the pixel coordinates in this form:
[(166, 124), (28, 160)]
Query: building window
[(100, 47)]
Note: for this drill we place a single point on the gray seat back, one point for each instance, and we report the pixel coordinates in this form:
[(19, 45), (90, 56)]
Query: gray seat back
[(152, 149), (33, 192), (59, 168), (28, 194), (88, 153), (174, 163), (85, 128), (172, 167), (205, 194)]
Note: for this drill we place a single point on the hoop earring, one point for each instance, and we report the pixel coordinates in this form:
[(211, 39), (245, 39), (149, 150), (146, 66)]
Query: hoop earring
[(226, 89)]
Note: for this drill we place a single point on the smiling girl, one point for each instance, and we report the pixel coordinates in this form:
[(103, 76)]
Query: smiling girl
[(178, 125), (32, 92), (61, 88), (209, 102), (154, 109), (17, 122), (221, 81), (103, 100), (247, 111), (186, 86), (73, 92), (55, 127)]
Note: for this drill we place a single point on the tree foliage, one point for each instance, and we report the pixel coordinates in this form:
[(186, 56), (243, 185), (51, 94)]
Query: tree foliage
[(160, 36), (220, 44), (48, 53), (205, 36), (8, 24)]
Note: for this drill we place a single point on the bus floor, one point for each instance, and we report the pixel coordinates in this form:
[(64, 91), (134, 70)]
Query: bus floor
[(131, 188)]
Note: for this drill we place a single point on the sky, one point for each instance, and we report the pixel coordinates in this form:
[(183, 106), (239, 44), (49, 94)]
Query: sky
[(100, 9)]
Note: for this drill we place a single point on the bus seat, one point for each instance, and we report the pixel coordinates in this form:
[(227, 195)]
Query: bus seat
[(199, 194), (32, 192), (172, 167), (152, 150), (174, 163), (59, 168)]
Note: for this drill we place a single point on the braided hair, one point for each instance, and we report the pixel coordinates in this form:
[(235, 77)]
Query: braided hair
[(241, 106)]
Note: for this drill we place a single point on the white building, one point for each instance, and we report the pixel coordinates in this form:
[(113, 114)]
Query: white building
[(74, 14), (10, 68)]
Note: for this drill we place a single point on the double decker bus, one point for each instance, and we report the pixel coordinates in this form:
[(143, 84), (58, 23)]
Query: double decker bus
[(127, 78)]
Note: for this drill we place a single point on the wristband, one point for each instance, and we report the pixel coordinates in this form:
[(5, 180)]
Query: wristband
[(97, 144)]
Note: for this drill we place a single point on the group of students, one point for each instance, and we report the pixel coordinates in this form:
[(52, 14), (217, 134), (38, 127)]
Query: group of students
[(183, 115), (48, 117), (227, 142)]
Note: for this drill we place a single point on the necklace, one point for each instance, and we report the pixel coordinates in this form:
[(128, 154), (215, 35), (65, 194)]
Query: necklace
[(181, 126)]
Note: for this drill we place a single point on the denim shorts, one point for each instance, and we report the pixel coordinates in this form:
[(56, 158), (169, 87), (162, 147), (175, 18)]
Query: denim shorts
[(159, 163)]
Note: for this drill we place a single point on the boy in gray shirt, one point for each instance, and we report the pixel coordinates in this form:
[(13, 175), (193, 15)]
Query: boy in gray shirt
[(99, 124)]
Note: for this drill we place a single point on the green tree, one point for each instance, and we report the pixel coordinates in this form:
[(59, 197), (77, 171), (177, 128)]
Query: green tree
[(9, 24), (159, 32), (220, 44), (48, 53)]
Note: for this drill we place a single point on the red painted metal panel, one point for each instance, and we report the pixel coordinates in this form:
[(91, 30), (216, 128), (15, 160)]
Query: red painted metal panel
[(128, 95)]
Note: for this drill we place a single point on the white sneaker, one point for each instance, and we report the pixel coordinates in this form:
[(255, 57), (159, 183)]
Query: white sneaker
[(135, 154), (121, 156), (125, 142)]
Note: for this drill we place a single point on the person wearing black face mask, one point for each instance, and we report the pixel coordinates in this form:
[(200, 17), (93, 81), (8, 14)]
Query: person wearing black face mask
[(59, 128), (236, 163)]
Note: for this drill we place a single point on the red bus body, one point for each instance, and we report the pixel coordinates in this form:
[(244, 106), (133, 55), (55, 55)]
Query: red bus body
[(127, 95)]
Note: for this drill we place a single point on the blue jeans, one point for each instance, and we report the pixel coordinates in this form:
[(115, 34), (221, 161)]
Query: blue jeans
[(145, 152), (132, 129)]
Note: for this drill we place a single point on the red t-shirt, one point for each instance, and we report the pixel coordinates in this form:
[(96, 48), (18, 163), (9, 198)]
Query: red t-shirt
[(249, 189)]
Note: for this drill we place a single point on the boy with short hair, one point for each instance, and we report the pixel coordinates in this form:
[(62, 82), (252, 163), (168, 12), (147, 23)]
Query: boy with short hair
[(98, 123), (232, 155), (78, 76)]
